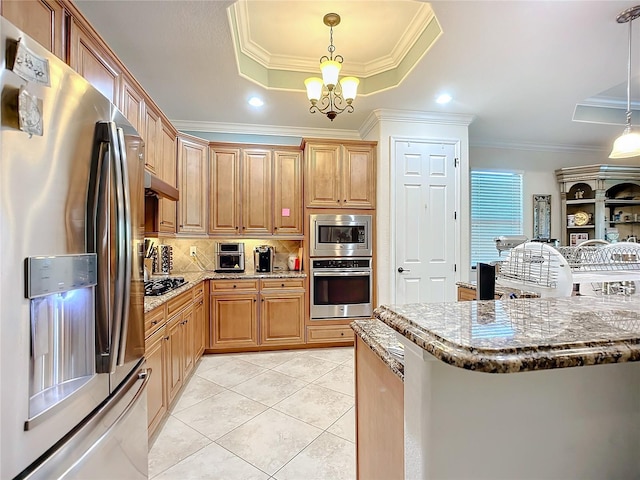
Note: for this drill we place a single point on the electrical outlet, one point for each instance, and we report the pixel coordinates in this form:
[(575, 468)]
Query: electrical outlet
[(192, 251)]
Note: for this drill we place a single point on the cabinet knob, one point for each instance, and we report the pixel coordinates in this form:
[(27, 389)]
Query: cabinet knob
[(262, 299), (342, 333), (236, 228), (166, 338), (345, 200), (337, 201), (234, 286), (275, 228), (282, 284), (154, 322)]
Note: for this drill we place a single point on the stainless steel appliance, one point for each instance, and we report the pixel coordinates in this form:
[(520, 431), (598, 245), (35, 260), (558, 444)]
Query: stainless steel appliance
[(73, 396), (263, 257), (341, 288), (340, 235), (229, 257), (160, 286)]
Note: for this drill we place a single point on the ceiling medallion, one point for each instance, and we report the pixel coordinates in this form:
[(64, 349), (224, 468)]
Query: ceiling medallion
[(326, 94)]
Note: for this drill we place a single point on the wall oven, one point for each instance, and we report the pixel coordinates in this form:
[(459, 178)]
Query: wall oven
[(340, 235), (341, 288)]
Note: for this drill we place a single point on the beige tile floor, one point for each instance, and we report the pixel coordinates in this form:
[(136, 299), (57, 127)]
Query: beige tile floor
[(285, 415)]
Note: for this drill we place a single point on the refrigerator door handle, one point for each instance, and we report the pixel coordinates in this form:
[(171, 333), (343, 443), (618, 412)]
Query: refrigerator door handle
[(128, 250), (98, 208), (121, 246)]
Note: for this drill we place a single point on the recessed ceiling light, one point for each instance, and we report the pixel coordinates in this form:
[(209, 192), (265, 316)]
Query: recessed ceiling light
[(256, 102), (444, 98)]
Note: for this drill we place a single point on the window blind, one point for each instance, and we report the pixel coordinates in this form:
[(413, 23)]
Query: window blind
[(496, 209)]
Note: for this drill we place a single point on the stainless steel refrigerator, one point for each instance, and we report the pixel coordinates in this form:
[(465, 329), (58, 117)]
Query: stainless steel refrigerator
[(72, 371)]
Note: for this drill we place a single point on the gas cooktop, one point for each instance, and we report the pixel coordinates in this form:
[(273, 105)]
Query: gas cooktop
[(160, 286)]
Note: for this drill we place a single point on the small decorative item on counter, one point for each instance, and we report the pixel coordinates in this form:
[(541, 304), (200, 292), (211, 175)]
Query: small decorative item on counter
[(293, 262), (571, 220)]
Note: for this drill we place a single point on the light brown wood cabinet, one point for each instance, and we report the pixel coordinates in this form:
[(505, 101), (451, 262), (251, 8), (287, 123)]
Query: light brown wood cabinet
[(42, 20), (156, 357), (329, 334), (175, 339), (132, 103), (192, 183), (250, 314), (255, 191), (151, 134), (281, 311), (340, 175), (167, 213), (466, 294), (94, 62), (379, 417)]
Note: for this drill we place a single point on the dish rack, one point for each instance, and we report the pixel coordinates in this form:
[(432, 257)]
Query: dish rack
[(552, 272), (536, 267), (605, 269)]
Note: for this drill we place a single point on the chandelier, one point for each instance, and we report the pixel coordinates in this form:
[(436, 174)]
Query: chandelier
[(627, 144), (326, 94)]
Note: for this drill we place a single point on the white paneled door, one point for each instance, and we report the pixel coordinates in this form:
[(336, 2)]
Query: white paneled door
[(425, 221)]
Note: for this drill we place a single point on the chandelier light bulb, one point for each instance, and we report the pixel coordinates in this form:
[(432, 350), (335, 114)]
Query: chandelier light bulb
[(626, 145), (314, 89), (349, 88), (330, 70)]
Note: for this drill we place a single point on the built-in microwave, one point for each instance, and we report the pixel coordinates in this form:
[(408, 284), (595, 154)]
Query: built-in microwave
[(340, 235)]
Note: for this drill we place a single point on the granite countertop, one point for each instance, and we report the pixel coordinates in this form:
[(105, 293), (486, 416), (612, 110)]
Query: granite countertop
[(504, 292), (193, 278), (382, 340), (508, 336)]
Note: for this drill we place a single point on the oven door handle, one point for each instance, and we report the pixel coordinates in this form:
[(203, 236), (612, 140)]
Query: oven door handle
[(342, 274)]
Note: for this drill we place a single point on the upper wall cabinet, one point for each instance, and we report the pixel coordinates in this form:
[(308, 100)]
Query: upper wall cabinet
[(255, 191), (192, 183), (43, 20), (132, 103), (152, 135), (340, 175), (91, 60)]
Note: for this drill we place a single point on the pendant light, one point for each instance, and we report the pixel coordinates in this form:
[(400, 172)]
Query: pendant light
[(328, 95), (628, 144)]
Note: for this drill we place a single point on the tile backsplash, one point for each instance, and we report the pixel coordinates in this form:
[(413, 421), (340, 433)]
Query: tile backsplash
[(205, 252)]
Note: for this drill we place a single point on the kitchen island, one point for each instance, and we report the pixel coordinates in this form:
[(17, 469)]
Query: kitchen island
[(523, 388)]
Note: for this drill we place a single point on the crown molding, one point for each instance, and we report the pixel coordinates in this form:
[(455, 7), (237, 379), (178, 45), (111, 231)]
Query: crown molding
[(254, 129), (536, 147)]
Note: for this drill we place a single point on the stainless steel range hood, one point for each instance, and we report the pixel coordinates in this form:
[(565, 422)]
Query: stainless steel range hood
[(154, 186)]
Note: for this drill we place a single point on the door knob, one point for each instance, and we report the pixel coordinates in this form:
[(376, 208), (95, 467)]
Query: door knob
[(400, 270)]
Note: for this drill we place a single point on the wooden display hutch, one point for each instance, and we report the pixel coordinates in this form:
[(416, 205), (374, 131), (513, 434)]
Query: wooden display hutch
[(609, 195)]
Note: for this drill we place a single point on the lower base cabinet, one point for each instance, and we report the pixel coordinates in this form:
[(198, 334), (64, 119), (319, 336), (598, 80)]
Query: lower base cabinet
[(329, 334), (172, 348), (379, 417), (253, 314)]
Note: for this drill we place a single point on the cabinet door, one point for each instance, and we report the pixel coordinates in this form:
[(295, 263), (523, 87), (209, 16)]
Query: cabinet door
[(91, 61), (234, 321), (287, 193), (224, 210), (281, 318), (155, 354), (132, 104), (322, 180), (192, 183), (42, 20), (167, 208), (358, 166), (256, 192), (174, 357), (199, 330), (152, 140), (188, 342)]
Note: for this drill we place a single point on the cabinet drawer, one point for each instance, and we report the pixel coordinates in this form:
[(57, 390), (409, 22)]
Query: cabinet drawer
[(280, 283), (154, 319), (179, 302), (331, 333), (233, 285), (198, 290)]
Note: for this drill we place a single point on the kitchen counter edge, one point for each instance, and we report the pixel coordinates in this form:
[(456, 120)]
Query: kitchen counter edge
[(379, 337), (543, 356), (193, 278)]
